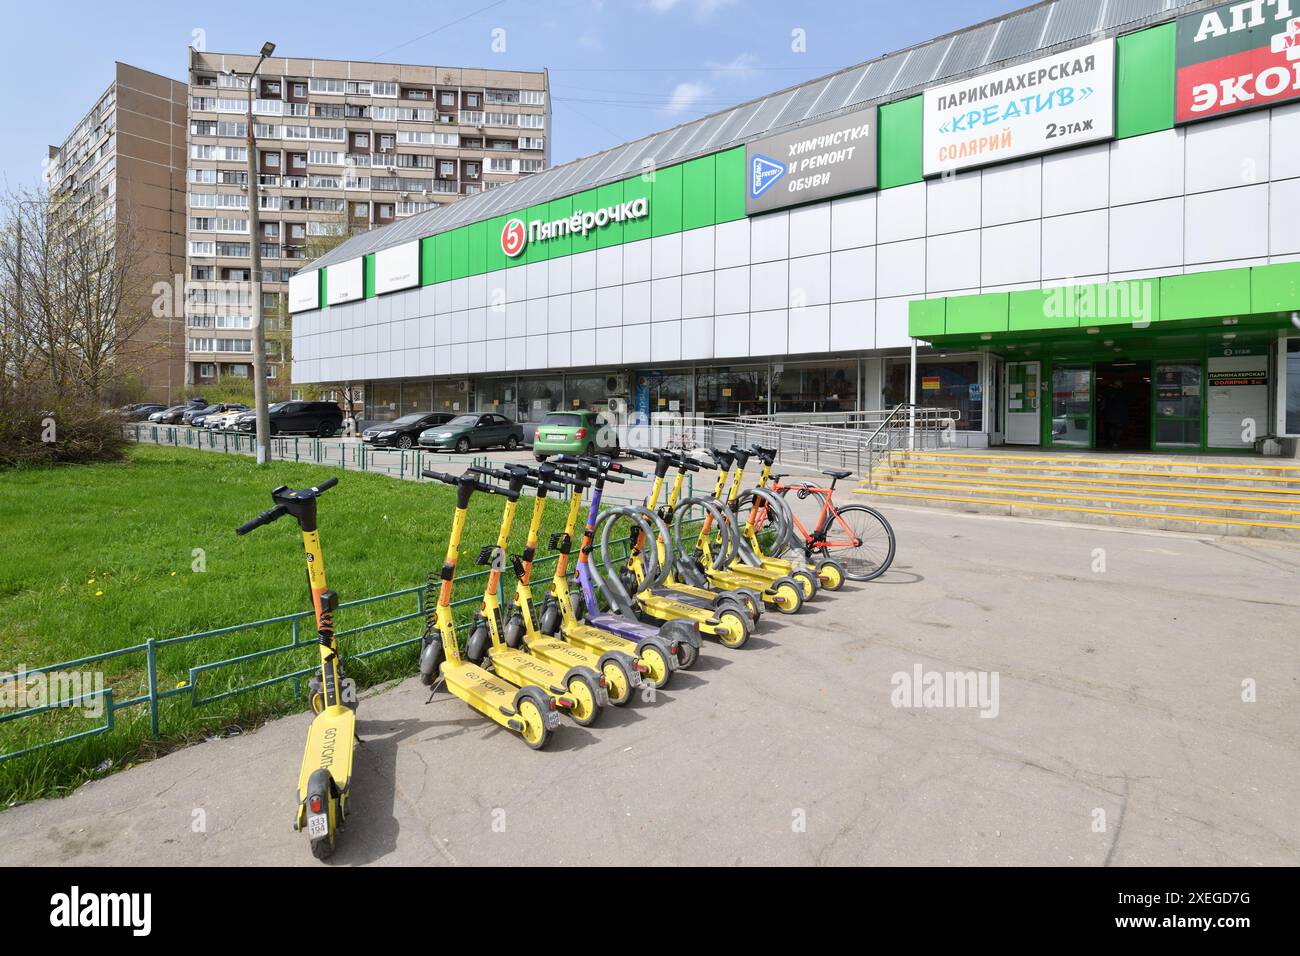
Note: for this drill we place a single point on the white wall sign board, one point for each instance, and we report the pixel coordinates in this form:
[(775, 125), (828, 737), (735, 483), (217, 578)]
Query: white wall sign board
[(304, 291), (343, 282), (1043, 105), (1238, 395), (397, 267)]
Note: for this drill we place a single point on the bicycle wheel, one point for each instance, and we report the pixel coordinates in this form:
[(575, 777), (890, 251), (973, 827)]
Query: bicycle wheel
[(873, 553)]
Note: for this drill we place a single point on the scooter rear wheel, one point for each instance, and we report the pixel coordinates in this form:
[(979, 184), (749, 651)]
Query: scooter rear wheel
[(534, 733), (736, 622), (807, 580), (618, 682), (585, 711), (790, 596), (831, 574), (658, 669)]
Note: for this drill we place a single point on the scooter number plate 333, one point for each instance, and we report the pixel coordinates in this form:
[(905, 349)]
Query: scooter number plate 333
[(318, 825)]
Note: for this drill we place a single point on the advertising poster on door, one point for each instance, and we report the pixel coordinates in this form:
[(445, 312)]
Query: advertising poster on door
[(1046, 104), (1238, 398), (1236, 57)]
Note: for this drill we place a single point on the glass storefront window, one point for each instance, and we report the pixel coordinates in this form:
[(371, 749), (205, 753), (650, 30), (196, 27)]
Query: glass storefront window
[(417, 397), (537, 396), (499, 395), (1178, 404), (724, 392), (815, 386), (662, 394), (1293, 386), (941, 384), (586, 391), (453, 395), (1072, 405), (383, 401)]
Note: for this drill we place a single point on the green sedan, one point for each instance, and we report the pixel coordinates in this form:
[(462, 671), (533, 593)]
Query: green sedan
[(579, 432), (473, 431)]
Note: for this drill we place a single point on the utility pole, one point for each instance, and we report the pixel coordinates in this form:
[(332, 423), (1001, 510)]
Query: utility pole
[(255, 238)]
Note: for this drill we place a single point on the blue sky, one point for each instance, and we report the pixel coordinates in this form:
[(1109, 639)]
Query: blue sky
[(619, 68)]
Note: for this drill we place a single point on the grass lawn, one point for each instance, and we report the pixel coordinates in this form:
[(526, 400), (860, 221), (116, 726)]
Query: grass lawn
[(106, 556)]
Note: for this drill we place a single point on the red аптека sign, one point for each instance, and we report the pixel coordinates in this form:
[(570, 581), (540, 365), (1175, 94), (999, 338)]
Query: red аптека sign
[(1237, 56)]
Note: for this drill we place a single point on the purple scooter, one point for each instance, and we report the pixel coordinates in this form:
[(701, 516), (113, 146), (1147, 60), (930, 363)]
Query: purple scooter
[(621, 619)]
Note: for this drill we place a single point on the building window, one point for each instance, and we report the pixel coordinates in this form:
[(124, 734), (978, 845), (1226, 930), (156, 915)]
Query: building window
[(472, 170), (446, 98), (726, 391), (815, 386), (447, 170), (940, 383), (299, 90), (472, 101), (207, 370), (363, 140), (272, 160)]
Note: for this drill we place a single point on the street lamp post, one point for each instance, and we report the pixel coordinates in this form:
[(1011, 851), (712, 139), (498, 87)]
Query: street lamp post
[(255, 238)]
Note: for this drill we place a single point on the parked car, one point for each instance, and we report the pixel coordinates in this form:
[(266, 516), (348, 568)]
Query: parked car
[(169, 416), (322, 419), (224, 421), (404, 432), (139, 413), (577, 432), (474, 431), (195, 416), (210, 419)]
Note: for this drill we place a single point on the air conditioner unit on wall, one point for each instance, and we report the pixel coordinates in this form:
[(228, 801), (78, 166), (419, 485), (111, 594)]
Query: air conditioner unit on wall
[(616, 384)]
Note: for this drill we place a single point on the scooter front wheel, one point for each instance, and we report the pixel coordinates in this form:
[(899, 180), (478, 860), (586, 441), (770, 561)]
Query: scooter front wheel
[(831, 574), (807, 580), (658, 670), (788, 596)]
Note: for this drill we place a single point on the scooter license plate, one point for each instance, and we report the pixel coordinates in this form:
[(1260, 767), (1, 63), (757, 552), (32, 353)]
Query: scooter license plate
[(318, 825)]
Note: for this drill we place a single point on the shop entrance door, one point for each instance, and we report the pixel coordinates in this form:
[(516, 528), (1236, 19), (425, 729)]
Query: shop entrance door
[(1123, 404), (1021, 397)]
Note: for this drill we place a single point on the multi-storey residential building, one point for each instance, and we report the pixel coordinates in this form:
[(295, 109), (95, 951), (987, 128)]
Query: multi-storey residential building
[(126, 158), (342, 146)]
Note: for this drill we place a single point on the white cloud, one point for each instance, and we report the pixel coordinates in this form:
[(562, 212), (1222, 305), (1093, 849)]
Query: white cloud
[(739, 67), (685, 96)]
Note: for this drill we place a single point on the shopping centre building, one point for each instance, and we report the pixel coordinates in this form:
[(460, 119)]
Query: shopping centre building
[(1077, 225)]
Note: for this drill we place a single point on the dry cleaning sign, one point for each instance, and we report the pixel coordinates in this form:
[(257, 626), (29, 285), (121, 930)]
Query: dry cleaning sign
[(1237, 56), (827, 159), (1045, 104)]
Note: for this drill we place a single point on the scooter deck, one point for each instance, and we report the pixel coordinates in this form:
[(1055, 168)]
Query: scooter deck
[(624, 627), (520, 666), (330, 742), (597, 640), (563, 654), (482, 691), (668, 608)]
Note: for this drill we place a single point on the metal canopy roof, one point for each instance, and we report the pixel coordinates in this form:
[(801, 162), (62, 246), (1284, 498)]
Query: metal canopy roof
[(1019, 35)]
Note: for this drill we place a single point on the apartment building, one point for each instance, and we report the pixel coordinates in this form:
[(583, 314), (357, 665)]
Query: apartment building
[(342, 146), (126, 158)]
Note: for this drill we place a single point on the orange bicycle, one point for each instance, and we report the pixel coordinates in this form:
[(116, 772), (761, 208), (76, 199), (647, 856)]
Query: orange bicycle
[(859, 537)]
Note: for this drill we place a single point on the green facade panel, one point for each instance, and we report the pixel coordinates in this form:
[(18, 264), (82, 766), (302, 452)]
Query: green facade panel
[(477, 248), (729, 185), (494, 258), (925, 317), (637, 188), (1275, 288), (610, 194), (426, 260), (698, 192), (442, 257), (900, 143), (1034, 309), (535, 251), (1204, 295), (666, 201), (977, 313), (324, 287), (459, 253), (584, 202), (1144, 81), (368, 277)]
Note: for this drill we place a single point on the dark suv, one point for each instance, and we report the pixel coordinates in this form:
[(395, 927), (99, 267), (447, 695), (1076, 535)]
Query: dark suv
[(322, 419)]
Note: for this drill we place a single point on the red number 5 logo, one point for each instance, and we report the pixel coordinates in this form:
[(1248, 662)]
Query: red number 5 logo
[(513, 237)]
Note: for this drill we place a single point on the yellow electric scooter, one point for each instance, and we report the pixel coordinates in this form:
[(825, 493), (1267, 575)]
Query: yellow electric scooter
[(655, 653), (525, 709), (725, 615), (725, 569), (325, 780), (577, 689), (621, 671), (777, 510)]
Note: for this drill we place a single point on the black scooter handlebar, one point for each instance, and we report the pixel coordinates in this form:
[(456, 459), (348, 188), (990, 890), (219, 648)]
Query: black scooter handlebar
[(266, 517)]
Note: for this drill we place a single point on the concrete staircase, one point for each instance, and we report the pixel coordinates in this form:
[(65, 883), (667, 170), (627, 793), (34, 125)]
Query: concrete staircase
[(1250, 497)]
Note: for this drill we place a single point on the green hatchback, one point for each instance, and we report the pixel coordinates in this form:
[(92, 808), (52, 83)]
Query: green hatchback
[(577, 432)]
